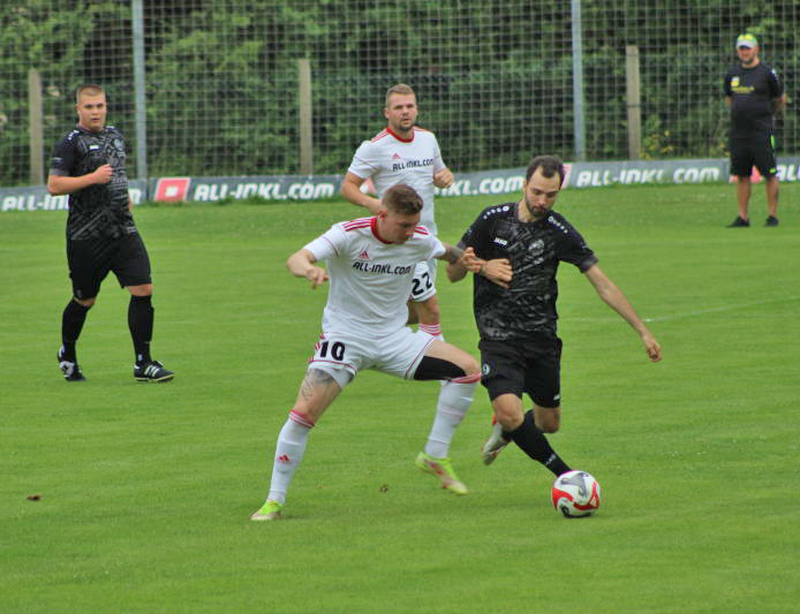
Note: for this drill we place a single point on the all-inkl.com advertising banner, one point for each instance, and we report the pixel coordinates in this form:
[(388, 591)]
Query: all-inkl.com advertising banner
[(315, 187), (36, 198)]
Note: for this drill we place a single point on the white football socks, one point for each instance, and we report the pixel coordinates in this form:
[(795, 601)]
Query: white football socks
[(455, 397), (288, 454)]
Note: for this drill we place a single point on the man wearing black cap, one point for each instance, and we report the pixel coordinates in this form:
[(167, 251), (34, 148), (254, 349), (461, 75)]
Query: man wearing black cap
[(755, 95)]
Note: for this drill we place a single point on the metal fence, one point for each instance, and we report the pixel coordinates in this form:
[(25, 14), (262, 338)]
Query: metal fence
[(204, 87)]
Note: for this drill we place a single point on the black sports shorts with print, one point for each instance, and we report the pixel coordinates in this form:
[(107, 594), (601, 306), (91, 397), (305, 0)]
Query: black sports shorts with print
[(515, 366), (757, 150), (91, 260)]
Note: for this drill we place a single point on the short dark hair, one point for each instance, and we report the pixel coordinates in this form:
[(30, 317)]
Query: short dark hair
[(91, 89), (402, 198), (550, 165)]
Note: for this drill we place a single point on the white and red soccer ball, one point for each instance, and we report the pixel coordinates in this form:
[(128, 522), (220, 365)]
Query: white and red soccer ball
[(576, 494)]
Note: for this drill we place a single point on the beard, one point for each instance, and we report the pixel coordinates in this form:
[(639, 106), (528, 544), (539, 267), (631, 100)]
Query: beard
[(537, 213), (404, 125)]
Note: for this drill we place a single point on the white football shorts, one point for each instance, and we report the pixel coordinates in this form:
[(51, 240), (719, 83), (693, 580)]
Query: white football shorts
[(424, 283), (342, 355)]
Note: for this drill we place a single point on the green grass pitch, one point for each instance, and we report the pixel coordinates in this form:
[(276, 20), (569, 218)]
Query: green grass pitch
[(144, 491)]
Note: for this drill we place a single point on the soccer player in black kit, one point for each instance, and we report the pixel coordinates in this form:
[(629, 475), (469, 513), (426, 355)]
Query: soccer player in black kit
[(89, 165), (755, 95), (514, 249)]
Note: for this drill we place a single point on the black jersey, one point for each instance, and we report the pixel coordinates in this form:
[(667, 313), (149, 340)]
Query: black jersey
[(528, 307), (100, 210), (752, 92)]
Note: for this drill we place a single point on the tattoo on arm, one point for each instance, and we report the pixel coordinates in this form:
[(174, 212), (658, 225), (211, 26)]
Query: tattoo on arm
[(452, 253)]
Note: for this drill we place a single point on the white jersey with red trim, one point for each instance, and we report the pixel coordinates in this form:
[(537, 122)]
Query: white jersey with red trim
[(388, 160), (370, 280)]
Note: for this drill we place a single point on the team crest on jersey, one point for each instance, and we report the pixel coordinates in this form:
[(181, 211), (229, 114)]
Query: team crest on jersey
[(536, 248), (734, 81)]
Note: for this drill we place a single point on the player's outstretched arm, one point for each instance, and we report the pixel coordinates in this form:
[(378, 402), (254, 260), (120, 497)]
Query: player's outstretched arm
[(452, 254), (351, 190), (456, 270), (614, 298), (301, 264), (497, 270), (459, 262)]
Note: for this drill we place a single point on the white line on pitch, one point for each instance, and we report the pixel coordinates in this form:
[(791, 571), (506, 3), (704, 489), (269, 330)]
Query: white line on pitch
[(690, 314), (736, 307)]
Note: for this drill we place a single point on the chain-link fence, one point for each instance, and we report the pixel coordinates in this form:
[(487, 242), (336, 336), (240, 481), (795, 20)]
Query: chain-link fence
[(496, 81)]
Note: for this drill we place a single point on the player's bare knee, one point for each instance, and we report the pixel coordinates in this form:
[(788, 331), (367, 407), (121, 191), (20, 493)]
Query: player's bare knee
[(548, 427), (468, 364), (471, 366), (547, 420), (85, 302), (508, 410), (510, 421), (143, 290), (509, 417)]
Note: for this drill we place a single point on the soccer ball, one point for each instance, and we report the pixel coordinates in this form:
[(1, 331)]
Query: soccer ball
[(576, 494)]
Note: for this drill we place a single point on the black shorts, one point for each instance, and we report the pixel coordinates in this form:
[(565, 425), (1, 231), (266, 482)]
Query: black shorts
[(91, 260), (758, 151), (517, 366)]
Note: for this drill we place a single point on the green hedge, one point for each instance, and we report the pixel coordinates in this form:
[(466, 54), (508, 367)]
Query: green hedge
[(494, 80)]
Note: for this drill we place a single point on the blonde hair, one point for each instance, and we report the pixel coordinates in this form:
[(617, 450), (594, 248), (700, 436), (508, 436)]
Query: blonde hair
[(400, 88), (90, 89)]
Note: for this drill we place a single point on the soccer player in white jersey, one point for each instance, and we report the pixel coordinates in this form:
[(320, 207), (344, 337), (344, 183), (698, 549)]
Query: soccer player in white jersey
[(404, 153), (370, 264)]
